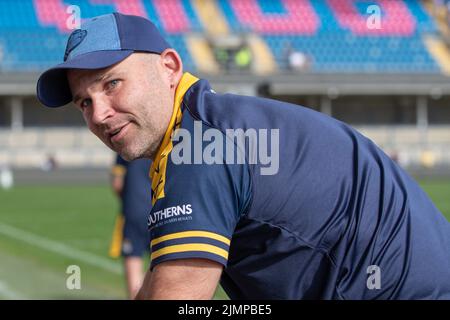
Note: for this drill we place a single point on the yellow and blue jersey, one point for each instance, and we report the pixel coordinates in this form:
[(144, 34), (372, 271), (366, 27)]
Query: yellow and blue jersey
[(336, 207)]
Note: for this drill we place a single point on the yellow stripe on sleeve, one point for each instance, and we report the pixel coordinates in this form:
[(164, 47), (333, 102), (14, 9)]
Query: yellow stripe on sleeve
[(190, 247), (187, 234)]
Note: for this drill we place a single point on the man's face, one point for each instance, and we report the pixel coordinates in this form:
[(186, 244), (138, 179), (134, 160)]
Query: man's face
[(128, 105)]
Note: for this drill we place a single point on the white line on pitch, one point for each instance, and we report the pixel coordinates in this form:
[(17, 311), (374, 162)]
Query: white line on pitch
[(59, 248)]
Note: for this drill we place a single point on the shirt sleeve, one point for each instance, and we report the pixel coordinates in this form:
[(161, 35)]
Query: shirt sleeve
[(199, 211)]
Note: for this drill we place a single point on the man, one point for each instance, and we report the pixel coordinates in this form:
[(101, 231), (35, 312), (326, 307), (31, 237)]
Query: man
[(335, 218), (131, 183)]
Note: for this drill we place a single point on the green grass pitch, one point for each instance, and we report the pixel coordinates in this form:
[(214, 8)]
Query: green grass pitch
[(45, 229)]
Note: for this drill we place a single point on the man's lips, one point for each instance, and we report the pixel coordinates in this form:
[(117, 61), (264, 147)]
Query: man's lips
[(117, 133)]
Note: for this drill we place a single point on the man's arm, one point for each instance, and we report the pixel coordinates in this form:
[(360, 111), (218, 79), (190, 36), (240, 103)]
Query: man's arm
[(184, 279)]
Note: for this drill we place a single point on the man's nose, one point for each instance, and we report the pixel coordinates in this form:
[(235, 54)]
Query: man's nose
[(102, 109)]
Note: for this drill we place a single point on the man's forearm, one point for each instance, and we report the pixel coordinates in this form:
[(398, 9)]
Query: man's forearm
[(143, 294), (193, 279)]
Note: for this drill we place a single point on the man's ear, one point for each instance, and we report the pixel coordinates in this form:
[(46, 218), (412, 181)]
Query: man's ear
[(173, 65)]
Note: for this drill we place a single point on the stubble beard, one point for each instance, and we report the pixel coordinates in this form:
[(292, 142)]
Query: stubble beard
[(143, 145)]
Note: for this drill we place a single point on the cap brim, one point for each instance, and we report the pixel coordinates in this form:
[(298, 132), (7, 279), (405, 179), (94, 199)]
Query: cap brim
[(53, 88)]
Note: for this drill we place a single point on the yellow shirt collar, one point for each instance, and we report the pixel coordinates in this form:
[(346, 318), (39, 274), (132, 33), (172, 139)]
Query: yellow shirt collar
[(157, 171)]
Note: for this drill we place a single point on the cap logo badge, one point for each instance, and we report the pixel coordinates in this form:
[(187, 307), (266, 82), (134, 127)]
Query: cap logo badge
[(74, 41)]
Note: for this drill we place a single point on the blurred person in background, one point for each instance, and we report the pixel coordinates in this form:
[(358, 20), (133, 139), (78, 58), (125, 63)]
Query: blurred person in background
[(49, 163), (295, 59), (131, 183), (243, 57), (298, 61)]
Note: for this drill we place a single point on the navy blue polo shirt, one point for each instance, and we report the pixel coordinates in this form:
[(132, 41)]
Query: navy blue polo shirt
[(334, 219)]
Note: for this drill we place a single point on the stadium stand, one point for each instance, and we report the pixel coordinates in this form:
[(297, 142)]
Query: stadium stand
[(334, 41), (33, 32)]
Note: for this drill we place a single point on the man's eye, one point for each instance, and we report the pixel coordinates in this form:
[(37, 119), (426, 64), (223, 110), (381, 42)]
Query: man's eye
[(113, 83), (85, 103)]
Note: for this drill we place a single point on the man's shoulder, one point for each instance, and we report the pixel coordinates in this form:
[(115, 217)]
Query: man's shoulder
[(229, 110)]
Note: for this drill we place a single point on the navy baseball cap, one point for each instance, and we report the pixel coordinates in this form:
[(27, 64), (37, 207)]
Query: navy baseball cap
[(99, 43)]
